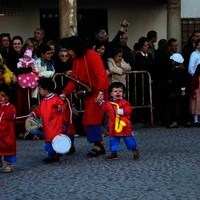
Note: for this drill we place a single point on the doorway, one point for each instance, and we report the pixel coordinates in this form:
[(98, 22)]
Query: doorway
[(49, 21), (90, 20)]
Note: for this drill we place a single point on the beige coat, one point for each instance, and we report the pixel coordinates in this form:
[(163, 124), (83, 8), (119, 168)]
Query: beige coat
[(118, 73), (30, 124)]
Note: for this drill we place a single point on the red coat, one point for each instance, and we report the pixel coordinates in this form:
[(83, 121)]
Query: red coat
[(91, 71), (52, 116), (110, 109), (7, 130)]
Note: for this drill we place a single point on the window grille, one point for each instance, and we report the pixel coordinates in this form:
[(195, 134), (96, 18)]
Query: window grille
[(188, 25), (11, 8)]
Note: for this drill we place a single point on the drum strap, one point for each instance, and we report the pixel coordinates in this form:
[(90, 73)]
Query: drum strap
[(70, 110)]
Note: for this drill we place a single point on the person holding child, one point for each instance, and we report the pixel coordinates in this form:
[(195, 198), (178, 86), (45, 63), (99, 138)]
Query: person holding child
[(7, 131), (28, 74), (119, 113)]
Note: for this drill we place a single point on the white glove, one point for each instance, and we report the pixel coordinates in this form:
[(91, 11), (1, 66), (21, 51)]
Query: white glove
[(120, 111), (62, 96)]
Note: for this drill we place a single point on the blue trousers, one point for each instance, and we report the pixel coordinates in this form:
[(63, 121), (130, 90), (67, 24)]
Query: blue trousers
[(130, 142), (37, 132), (49, 149), (10, 159)]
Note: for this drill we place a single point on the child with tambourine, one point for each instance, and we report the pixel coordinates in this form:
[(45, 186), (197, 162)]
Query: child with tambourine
[(7, 130), (53, 113), (119, 113)]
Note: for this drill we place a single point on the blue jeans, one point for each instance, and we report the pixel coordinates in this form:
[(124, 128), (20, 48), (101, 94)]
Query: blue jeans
[(38, 132)]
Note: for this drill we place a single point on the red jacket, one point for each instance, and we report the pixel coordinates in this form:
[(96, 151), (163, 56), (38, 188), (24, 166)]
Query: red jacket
[(111, 109), (91, 71), (52, 111), (7, 130)]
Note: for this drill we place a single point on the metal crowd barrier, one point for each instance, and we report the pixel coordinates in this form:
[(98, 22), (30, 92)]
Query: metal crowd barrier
[(144, 85), (141, 81)]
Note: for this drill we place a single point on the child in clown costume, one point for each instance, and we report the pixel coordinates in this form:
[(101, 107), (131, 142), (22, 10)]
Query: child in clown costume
[(7, 131), (52, 111), (119, 112)]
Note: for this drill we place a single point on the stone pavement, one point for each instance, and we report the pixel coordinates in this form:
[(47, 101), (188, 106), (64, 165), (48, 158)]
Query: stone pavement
[(168, 170)]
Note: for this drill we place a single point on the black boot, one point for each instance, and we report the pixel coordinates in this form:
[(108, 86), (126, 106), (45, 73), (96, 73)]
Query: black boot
[(71, 151), (97, 149)]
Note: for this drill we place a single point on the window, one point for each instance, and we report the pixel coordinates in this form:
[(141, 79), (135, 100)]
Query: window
[(187, 27), (11, 8)]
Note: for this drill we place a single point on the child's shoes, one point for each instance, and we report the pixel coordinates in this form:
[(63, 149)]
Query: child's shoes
[(92, 154), (136, 155), (35, 137), (54, 158), (7, 169), (48, 160)]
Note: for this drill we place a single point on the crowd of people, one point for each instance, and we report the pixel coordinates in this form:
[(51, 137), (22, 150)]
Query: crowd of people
[(43, 80)]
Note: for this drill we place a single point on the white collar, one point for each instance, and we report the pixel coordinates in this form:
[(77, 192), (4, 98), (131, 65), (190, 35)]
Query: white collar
[(49, 96), (144, 54)]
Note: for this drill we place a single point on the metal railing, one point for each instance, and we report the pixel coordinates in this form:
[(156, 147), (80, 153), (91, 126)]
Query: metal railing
[(137, 82), (142, 84)]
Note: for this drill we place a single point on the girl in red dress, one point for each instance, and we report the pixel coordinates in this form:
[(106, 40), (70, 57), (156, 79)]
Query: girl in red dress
[(7, 131)]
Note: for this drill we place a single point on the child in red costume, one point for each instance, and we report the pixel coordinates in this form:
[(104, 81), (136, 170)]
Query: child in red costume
[(89, 69), (119, 113), (53, 112), (7, 131)]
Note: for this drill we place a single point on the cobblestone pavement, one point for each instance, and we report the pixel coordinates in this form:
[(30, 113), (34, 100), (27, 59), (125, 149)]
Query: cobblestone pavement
[(168, 170)]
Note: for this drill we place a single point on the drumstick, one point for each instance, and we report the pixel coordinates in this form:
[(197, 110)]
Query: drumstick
[(24, 116)]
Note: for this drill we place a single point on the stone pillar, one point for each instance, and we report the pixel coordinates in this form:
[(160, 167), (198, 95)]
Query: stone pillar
[(174, 20), (68, 18)]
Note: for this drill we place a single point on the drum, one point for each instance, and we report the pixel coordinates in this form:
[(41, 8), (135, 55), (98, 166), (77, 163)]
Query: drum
[(61, 143)]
